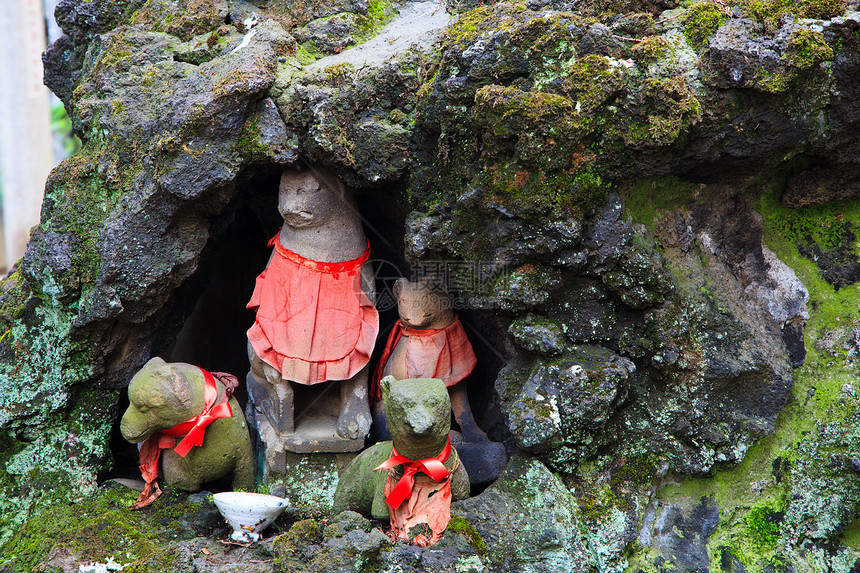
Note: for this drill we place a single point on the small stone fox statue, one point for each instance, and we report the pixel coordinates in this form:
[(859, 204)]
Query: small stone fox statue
[(189, 426), (413, 478), (429, 341), (315, 315)]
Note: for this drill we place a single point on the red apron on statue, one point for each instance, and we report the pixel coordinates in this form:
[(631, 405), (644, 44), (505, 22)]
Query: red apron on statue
[(420, 496), (314, 322), (443, 353)]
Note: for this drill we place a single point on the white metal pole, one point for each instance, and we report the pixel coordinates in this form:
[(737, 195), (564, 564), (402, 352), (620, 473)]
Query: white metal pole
[(26, 153)]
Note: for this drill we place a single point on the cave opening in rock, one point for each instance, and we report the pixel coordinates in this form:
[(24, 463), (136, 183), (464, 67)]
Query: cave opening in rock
[(208, 320)]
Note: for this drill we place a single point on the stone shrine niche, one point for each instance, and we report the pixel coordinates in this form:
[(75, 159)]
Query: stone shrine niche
[(208, 319)]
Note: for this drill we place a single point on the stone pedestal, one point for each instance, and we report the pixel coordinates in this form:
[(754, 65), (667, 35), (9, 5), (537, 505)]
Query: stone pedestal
[(303, 466), (315, 422), (307, 481)]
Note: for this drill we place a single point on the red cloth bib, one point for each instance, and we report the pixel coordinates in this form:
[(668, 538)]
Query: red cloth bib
[(314, 322), (443, 353), (416, 499)]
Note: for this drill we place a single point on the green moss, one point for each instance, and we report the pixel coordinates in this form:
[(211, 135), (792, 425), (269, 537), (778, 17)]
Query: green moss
[(573, 193), (307, 53), (807, 47), (824, 225), (671, 109), (528, 107), (651, 48), (337, 73), (116, 50), (248, 143), (379, 13), (593, 82), (774, 82), (181, 19), (649, 200), (471, 25), (599, 503), (14, 293), (763, 527), (851, 535), (462, 526), (757, 508), (638, 471), (81, 201), (98, 528), (294, 542), (701, 22), (45, 358), (769, 12)]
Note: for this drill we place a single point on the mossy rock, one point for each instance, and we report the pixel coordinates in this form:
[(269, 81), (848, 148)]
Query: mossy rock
[(98, 528)]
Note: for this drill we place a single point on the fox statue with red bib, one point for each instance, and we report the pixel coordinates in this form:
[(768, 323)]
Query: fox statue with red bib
[(315, 319)]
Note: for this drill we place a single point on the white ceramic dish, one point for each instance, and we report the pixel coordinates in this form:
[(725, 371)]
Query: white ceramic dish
[(248, 513)]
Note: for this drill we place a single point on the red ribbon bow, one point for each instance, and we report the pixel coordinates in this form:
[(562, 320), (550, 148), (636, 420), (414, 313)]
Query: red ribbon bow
[(195, 428), (193, 431), (433, 467)]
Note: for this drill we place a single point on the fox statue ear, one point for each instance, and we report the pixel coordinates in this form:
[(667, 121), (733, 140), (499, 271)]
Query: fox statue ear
[(385, 385), (330, 181), (155, 361), (398, 287)]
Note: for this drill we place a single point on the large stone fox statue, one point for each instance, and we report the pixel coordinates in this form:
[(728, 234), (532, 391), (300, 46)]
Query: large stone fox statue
[(315, 317)]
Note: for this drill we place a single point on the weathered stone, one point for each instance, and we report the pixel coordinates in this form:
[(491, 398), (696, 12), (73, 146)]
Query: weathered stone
[(349, 544), (180, 533), (330, 35), (162, 396), (680, 534), (538, 335), (320, 225), (519, 147), (83, 19), (307, 481), (561, 403), (181, 18), (418, 411), (821, 500), (546, 537), (359, 487), (142, 164)]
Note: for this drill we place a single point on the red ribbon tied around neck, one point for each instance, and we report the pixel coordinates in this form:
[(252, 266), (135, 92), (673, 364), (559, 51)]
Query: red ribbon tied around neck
[(433, 467), (195, 428)]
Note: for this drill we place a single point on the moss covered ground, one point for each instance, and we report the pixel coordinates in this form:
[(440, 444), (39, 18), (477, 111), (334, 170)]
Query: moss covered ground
[(98, 528)]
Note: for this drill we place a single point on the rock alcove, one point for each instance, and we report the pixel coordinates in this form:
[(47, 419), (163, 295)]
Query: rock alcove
[(206, 320)]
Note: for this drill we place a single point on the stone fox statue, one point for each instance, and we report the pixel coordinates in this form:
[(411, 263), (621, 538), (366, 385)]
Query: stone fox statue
[(397, 479), (428, 341), (315, 319), (189, 427)]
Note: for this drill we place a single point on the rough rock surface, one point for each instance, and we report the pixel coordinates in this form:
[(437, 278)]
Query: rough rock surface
[(649, 209), (547, 534)]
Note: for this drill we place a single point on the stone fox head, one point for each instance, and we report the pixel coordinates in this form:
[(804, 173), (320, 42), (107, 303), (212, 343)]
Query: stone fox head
[(419, 415), (423, 304), (312, 197), (161, 395)]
